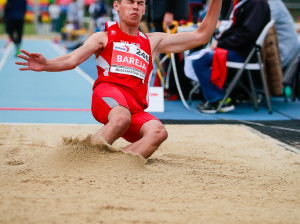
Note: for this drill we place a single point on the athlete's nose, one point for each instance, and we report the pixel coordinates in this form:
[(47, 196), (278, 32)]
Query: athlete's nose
[(135, 5)]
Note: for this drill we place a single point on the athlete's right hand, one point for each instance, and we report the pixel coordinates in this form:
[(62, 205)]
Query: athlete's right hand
[(35, 61)]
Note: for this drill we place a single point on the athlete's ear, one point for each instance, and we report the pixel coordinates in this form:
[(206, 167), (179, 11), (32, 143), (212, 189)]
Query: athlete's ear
[(116, 5)]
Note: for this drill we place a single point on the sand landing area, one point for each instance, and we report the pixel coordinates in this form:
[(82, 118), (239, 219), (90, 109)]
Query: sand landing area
[(201, 174)]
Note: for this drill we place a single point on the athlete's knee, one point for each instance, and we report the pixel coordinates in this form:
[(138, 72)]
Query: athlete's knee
[(159, 134), (164, 134), (120, 121)]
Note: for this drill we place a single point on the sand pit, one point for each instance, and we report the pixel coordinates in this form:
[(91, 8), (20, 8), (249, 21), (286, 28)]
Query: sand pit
[(201, 174)]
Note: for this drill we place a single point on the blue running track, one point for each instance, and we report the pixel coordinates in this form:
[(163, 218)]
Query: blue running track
[(65, 97)]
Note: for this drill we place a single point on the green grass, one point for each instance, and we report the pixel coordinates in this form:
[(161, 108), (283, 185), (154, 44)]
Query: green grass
[(2, 30), (29, 29)]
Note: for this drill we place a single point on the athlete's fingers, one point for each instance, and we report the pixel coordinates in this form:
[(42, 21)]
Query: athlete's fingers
[(22, 63), (24, 69), (23, 57), (34, 54), (25, 52)]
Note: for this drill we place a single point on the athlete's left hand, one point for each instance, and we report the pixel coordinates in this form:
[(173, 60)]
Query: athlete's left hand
[(35, 61)]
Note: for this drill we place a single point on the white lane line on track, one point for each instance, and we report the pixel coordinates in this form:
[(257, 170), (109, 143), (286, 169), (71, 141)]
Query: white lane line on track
[(85, 75), (62, 51), (5, 56)]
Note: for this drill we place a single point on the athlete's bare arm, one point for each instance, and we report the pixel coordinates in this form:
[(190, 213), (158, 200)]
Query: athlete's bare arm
[(37, 62), (179, 42)]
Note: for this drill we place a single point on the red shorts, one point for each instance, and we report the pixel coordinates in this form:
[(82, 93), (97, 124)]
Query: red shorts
[(108, 95)]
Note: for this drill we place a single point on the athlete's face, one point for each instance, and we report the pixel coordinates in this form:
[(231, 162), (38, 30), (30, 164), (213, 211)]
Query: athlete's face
[(131, 11)]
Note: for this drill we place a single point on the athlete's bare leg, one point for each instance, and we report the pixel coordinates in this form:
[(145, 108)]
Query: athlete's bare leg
[(153, 133), (119, 119)]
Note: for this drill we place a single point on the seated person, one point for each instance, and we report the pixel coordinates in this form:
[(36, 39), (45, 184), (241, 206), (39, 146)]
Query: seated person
[(287, 35), (72, 35), (248, 20)]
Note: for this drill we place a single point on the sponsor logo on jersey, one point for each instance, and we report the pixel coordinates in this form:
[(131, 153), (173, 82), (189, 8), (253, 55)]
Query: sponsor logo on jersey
[(127, 42)]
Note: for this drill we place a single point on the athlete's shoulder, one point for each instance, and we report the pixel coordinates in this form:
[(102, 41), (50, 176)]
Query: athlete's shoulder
[(98, 41), (99, 37), (155, 35), (155, 40), (101, 34)]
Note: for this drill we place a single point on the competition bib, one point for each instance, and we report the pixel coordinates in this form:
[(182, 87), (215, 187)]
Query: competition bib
[(129, 59)]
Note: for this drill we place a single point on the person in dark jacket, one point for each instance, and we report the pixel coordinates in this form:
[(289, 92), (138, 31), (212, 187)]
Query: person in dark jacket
[(248, 20), (14, 13), (167, 11), (226, 9)]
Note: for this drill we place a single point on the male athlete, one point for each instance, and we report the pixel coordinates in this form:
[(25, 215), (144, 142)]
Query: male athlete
[(124, 58)]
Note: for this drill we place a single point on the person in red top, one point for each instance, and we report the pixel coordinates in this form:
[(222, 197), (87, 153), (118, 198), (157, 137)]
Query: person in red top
[(124, 60)]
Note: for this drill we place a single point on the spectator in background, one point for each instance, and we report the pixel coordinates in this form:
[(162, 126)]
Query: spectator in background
[(287, 34), (54, 12), (98, 10), (248, 20), (73, 25), (167, 11), (14, 13), (196, 6), (226, 9), (74, 14)]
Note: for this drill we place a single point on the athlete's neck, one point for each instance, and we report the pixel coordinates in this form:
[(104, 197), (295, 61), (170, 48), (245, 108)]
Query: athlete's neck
[(130, 30)]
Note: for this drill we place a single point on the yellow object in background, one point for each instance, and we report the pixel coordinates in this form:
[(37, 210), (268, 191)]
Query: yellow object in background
[(2, 3), (45, 18), (29, 16), (173, 27)]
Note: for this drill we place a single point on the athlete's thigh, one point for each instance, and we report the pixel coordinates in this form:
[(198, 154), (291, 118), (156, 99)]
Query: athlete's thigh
[(105, 97), (137, 121)]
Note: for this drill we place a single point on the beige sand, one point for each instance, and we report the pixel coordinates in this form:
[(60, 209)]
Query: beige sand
[(201, 174)]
